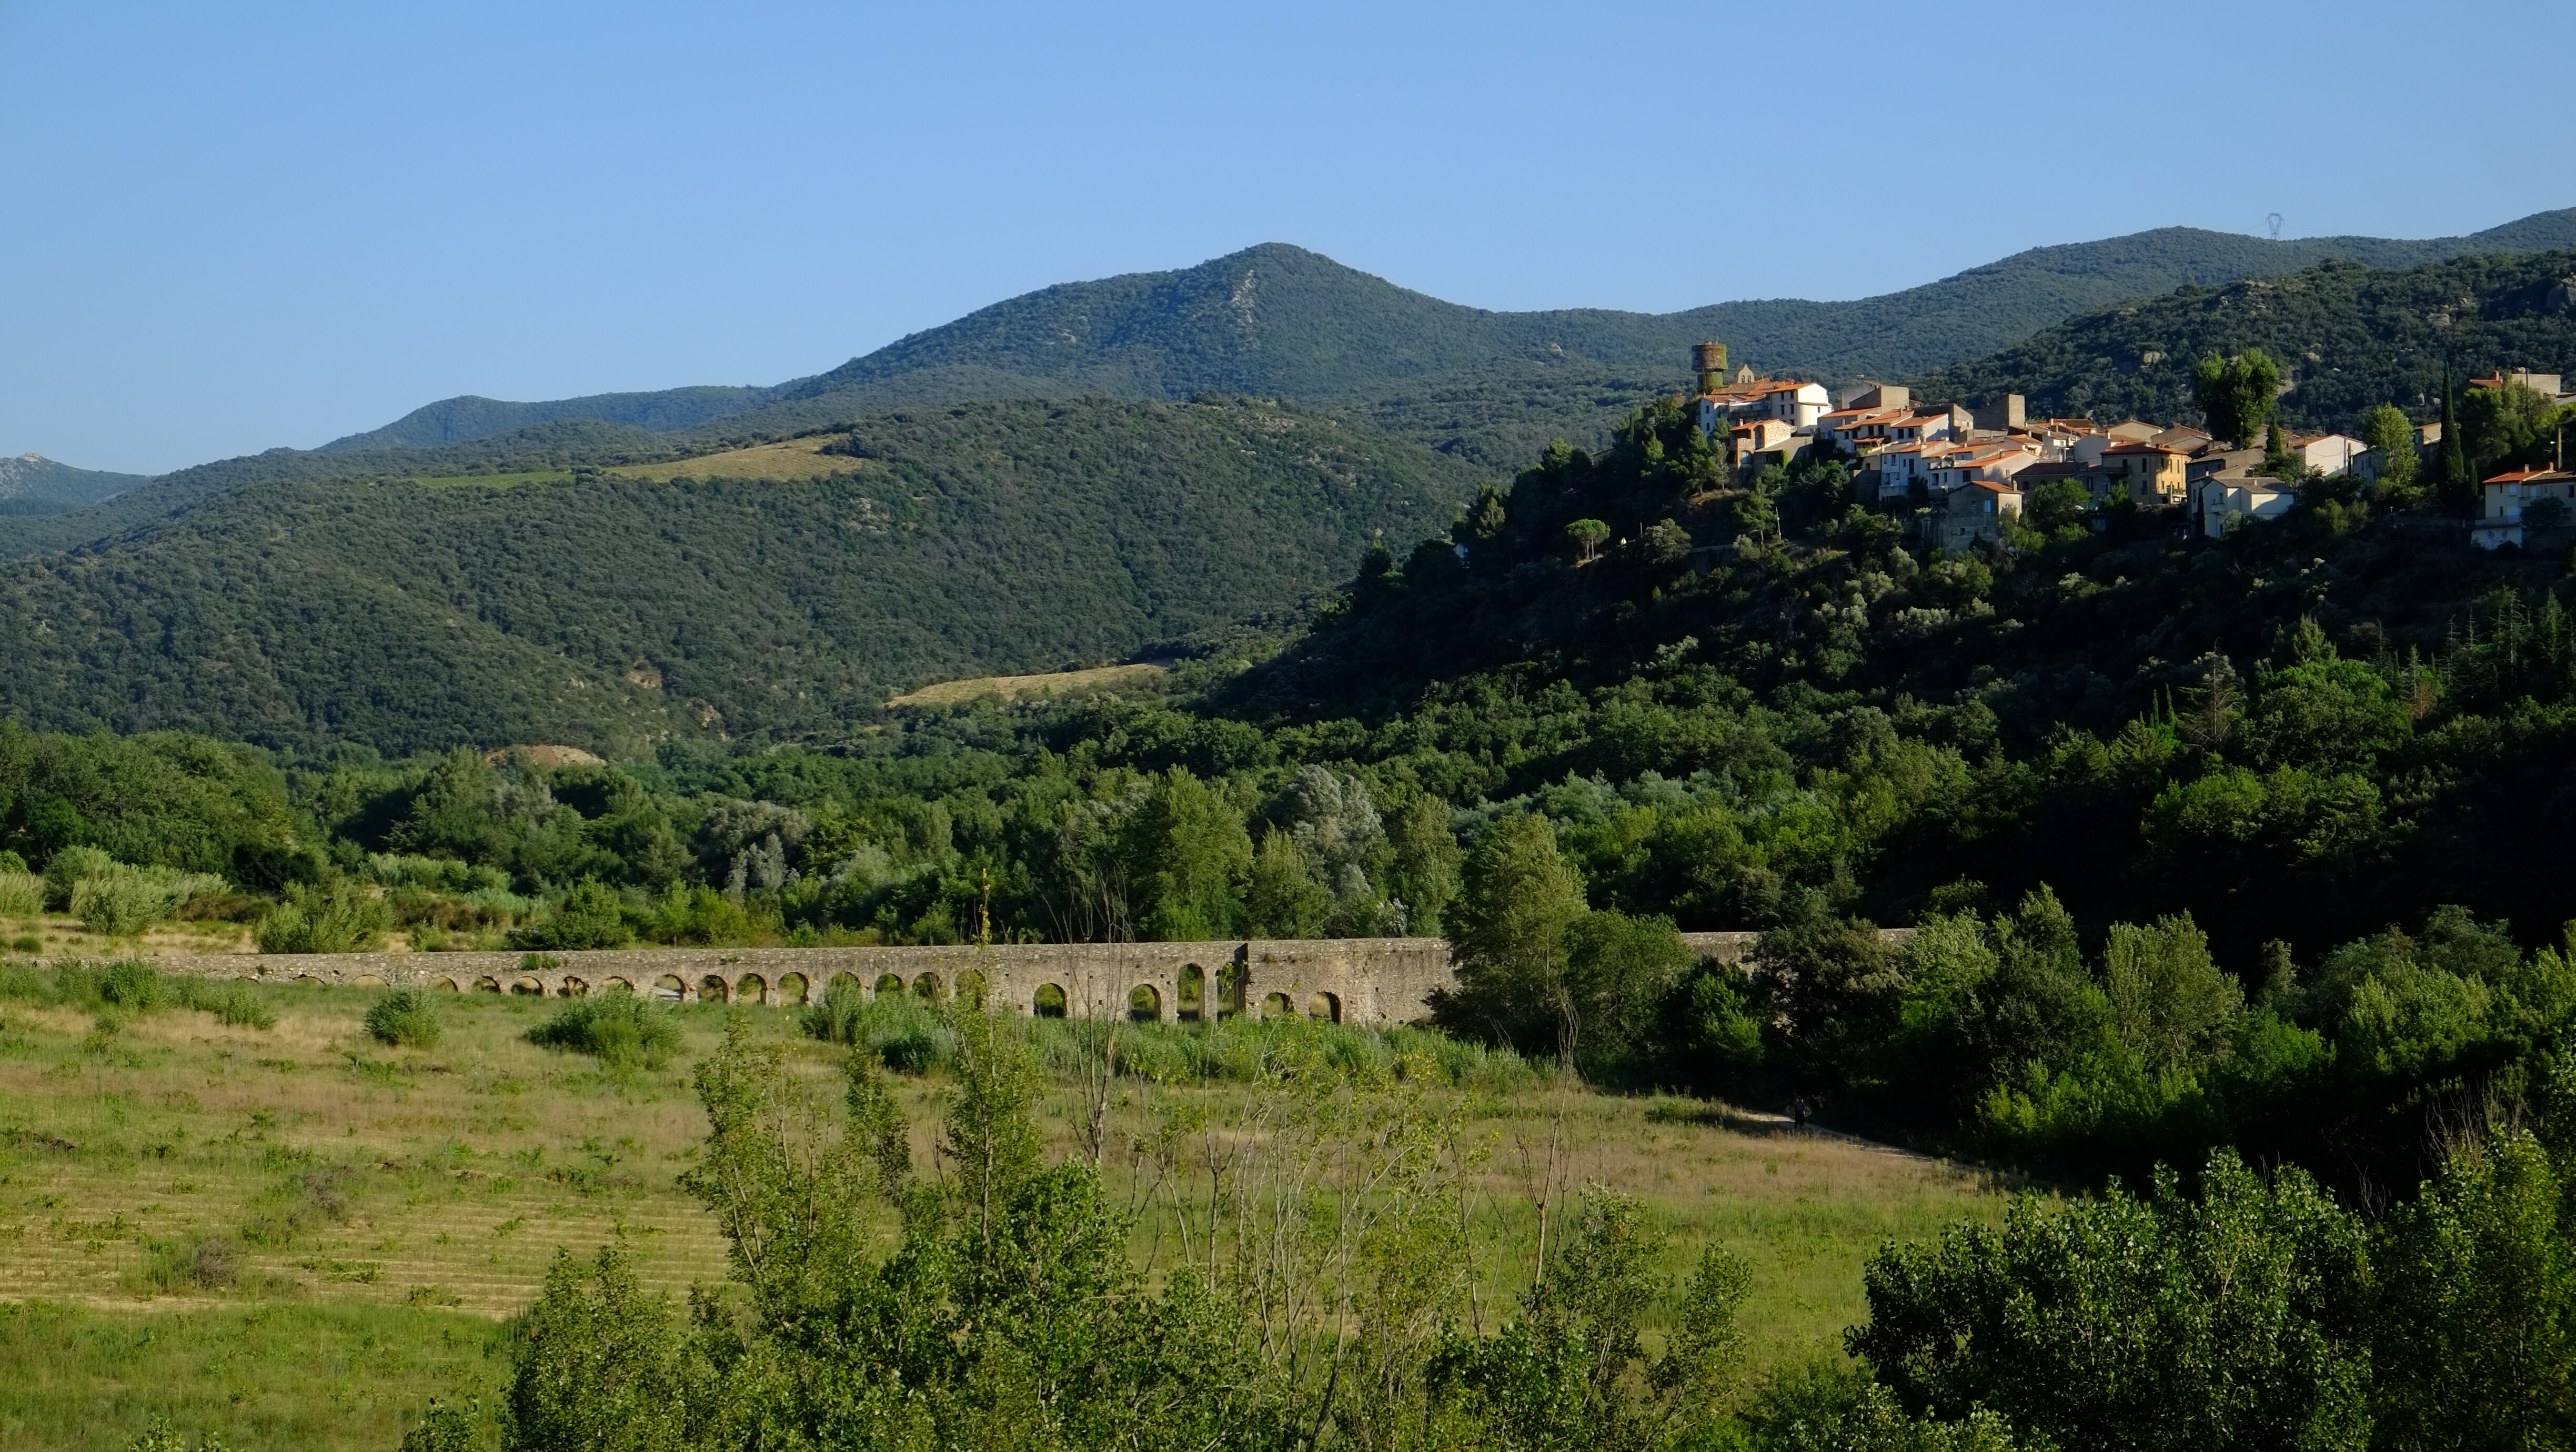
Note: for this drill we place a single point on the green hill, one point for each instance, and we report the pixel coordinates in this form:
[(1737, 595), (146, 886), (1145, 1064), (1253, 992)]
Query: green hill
[(460, 420), (33, 484), (2349, 338), (476, 602), (1277, 320)]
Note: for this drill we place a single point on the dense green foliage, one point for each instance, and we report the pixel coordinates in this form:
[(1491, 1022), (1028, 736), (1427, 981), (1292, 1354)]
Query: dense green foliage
[(2349, 338), (32, 484), (989, 538)]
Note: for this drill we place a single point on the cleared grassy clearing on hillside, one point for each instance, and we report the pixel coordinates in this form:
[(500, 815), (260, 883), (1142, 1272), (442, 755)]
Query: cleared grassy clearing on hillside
[(379, 1209), (783, 462), (786, 462), (1019, 688)]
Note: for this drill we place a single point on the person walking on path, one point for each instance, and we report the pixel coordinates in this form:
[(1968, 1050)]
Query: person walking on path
[(1798, 1113)]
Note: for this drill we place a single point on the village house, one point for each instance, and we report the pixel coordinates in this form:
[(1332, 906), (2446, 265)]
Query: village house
[(1761, 441), (1997, 463), (1974, 513), (1902, 468), (2150, 475), (2547, 385), (1784, 400), (2332, 455), (2509, 505), (2223, 499)]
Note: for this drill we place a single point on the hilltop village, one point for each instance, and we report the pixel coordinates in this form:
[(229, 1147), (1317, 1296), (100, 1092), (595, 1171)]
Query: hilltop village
[(1966, 471)]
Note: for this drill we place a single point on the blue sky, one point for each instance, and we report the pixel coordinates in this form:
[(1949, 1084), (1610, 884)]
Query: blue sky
[(232, 227)]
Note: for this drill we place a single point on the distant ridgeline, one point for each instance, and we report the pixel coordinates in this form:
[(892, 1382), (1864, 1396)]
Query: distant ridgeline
[(33, 484)]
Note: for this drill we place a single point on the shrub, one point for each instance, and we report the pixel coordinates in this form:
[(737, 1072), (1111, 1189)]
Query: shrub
[(205, 1264), (119, 903), (68, 867), (234, 1004), (618, 1029), (22, 894), (406, 1017), (907, 1035), (333, 919)]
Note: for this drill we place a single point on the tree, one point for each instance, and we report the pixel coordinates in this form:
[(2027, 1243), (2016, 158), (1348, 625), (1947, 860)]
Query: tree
[(2477, 1346), (1618, 969), (596, 1370), (2459, 491), (2058, 510), (1757, 512), (1422, 873), (2279, 460), (1586, 536), (2500, 427), (2232, 1323), (2391, 436), (1283, 899), (2237, 394), (2170, 1002), (1521, 900), (1188, 852)]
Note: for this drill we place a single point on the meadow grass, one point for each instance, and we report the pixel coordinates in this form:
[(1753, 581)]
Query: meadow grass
[(1015, 688), (784, 462), (294, 1235)]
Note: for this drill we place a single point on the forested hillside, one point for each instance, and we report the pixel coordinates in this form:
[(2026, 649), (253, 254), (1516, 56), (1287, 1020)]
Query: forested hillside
[(33, 484), (1277, 320), (513, 607), (2348, 338)]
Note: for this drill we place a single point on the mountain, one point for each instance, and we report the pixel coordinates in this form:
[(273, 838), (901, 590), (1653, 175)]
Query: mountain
[(2348, 337), (1279, 321), (34, 484), (611, 604)]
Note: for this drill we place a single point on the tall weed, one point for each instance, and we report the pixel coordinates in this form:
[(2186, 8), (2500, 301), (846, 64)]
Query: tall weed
[(22, 894)]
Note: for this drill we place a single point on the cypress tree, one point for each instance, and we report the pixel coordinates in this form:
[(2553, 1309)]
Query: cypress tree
[(2455, 460)]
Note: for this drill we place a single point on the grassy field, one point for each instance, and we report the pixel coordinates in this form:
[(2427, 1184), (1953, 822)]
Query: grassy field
[(785, 462), (294, 1235), (1014, 688)]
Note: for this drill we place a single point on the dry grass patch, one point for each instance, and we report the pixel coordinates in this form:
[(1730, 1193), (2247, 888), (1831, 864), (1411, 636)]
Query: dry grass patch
[(1015, 688), (784, 462)]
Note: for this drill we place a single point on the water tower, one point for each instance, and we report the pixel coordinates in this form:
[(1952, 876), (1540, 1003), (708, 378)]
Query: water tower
[(1708, 360)]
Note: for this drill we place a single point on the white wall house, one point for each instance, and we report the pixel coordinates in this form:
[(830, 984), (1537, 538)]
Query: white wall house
[(2329, 454), (2224, 499), (2500, 518), (1902, 466), (1979, 464)]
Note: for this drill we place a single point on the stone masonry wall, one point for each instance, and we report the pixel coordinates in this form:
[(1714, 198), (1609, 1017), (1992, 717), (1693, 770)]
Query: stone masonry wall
[(1345, 980)]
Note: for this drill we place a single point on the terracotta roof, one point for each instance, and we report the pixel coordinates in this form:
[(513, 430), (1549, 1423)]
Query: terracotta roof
[(2145, 449), (2531, 476)]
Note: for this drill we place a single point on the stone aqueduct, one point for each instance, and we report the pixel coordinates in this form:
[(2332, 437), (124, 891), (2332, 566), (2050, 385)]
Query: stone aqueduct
[(1344, 980)]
